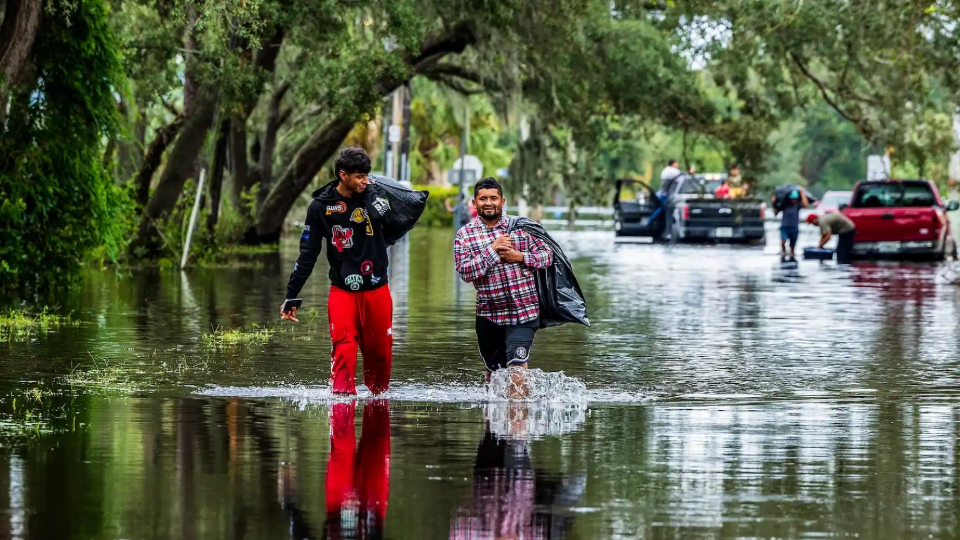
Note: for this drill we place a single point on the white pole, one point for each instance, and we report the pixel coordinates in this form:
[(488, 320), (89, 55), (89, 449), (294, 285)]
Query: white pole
[(193, 220)]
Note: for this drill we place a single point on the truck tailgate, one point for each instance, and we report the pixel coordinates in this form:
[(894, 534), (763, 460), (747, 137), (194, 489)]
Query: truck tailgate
[(895, 224)]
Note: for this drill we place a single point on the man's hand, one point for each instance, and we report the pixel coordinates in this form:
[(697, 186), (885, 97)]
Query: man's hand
[(289, 315), (502, 243), (511, 256), (824, 239)]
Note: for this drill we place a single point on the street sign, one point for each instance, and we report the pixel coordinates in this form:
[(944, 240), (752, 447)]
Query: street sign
[(878, 167), (393, 134)]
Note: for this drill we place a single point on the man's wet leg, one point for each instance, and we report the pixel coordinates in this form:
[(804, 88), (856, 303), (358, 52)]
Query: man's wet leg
[(343, 314), (377, 343)]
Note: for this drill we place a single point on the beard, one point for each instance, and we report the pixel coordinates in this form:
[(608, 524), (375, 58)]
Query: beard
[(490, 214)]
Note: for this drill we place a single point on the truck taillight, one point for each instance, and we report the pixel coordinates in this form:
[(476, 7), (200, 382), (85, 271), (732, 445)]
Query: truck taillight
[(937, 221), (686, 211), (763, 211)]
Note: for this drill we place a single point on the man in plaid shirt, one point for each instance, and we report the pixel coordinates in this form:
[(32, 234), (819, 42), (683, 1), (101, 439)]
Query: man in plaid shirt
[(501, 268)]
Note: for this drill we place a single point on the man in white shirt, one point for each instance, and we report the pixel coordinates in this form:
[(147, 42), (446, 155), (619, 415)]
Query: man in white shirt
[(668, 181)]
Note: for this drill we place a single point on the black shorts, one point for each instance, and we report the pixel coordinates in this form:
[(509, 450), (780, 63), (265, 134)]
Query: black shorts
[(502, 346)]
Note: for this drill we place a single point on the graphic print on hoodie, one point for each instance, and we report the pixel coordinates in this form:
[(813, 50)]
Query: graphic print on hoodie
[(356, 250)]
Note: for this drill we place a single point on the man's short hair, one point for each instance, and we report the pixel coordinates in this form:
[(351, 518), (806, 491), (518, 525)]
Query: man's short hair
[(487, 183), (733, 166), (672, 163), (352, 161)]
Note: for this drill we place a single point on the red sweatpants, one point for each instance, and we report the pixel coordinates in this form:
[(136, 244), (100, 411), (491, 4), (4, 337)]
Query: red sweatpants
[(358, 478), (364, 320)]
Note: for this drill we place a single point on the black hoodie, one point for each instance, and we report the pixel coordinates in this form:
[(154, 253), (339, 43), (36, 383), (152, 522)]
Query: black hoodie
[(353, 229)]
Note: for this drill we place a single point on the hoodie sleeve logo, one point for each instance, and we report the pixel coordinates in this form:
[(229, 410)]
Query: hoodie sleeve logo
[(342, 238), (338, 208)]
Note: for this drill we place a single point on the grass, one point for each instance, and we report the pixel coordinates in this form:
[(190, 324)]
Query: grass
[(230, 339), (19, 326), (132, 377)]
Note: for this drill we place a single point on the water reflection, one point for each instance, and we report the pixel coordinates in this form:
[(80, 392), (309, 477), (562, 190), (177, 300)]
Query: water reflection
[(358, 477), (512, 499)]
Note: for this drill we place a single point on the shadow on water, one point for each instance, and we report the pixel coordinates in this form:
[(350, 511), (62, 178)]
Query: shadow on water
[(718, 395)]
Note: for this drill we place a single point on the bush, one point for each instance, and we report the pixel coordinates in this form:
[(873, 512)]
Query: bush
[(58, 202), (436, 213)]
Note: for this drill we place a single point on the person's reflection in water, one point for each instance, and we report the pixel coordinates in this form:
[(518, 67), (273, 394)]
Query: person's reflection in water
[(510, 499), (358, 479)]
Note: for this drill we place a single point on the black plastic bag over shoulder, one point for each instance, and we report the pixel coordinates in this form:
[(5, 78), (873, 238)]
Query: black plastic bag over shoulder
[(561, 300), (405, 206)]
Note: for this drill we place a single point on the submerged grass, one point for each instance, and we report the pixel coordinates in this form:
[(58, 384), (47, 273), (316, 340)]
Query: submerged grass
[(128, 377), (20, 326), (226, 339)]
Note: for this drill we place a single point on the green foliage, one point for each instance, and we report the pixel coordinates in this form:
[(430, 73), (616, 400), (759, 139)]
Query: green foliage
[(19, 326), (436, 214), (226, 339), (59, 201)]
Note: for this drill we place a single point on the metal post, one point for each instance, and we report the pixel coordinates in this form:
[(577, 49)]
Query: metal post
[(193, 219), (461, 198), (405, 137)]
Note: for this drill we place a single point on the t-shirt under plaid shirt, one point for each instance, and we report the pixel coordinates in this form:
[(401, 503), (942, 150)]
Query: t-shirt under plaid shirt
[(506, 292)]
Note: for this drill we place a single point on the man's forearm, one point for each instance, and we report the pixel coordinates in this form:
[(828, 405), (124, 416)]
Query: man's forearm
[(824, 239)]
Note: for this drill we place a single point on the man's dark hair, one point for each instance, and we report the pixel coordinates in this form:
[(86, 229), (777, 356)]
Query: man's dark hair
[(351, 161), (487, 183), (733, 166), (672, 163)]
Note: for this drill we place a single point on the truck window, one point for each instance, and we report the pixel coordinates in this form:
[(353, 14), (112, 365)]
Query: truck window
[(894, 194), (694, 186)]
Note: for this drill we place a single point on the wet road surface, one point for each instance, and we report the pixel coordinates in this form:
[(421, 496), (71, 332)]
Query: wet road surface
[(718, 394)]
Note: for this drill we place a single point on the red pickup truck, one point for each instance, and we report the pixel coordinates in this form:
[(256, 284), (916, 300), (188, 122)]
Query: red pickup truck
[(901, 218)]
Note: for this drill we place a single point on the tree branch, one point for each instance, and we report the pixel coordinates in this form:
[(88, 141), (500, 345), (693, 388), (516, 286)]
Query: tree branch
[(825, 92), (153, 156)]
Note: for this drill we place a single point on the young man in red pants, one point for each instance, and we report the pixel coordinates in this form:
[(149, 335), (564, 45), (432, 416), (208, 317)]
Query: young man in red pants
[(360, 308)]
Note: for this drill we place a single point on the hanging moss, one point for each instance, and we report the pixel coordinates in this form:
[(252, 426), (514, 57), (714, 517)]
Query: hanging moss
[(57, 198)]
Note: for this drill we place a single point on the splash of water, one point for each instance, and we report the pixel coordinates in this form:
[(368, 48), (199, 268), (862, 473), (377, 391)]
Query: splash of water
[(535, 385)]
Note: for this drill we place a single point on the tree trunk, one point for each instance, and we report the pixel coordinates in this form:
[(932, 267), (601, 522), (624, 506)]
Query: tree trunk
[(327, 139), (239, 167), (130, 151), (151, 160), (183, 157), (264, 173), (216, 174), (18, 32), (308, 161)]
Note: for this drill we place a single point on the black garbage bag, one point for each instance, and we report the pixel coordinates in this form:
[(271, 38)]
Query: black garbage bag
[(561, 300), (397, 206), (782, 194)]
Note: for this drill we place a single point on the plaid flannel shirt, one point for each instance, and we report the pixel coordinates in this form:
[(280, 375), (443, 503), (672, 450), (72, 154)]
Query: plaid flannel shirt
[(506, 292)]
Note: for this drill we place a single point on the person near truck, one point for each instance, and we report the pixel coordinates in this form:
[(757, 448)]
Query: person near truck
[(669, 177), (346, 216), (501, 266), (790, 223), (835, 223)]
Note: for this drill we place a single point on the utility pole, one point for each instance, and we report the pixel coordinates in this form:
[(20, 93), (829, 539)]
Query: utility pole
[(385, 118), (405, 138)]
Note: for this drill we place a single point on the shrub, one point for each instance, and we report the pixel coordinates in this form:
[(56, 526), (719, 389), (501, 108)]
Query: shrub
[(436, 213)]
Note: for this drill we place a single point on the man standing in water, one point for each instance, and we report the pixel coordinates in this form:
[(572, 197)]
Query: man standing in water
[(359, 307), (790, 223), (501, 266)]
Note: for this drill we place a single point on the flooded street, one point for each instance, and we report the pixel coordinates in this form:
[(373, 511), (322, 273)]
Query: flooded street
[(726, 396)]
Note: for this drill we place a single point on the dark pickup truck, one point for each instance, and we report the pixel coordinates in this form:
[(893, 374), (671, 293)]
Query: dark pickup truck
[(698, 216)]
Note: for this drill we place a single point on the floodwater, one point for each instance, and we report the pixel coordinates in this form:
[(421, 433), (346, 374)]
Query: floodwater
[(717, 395)]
